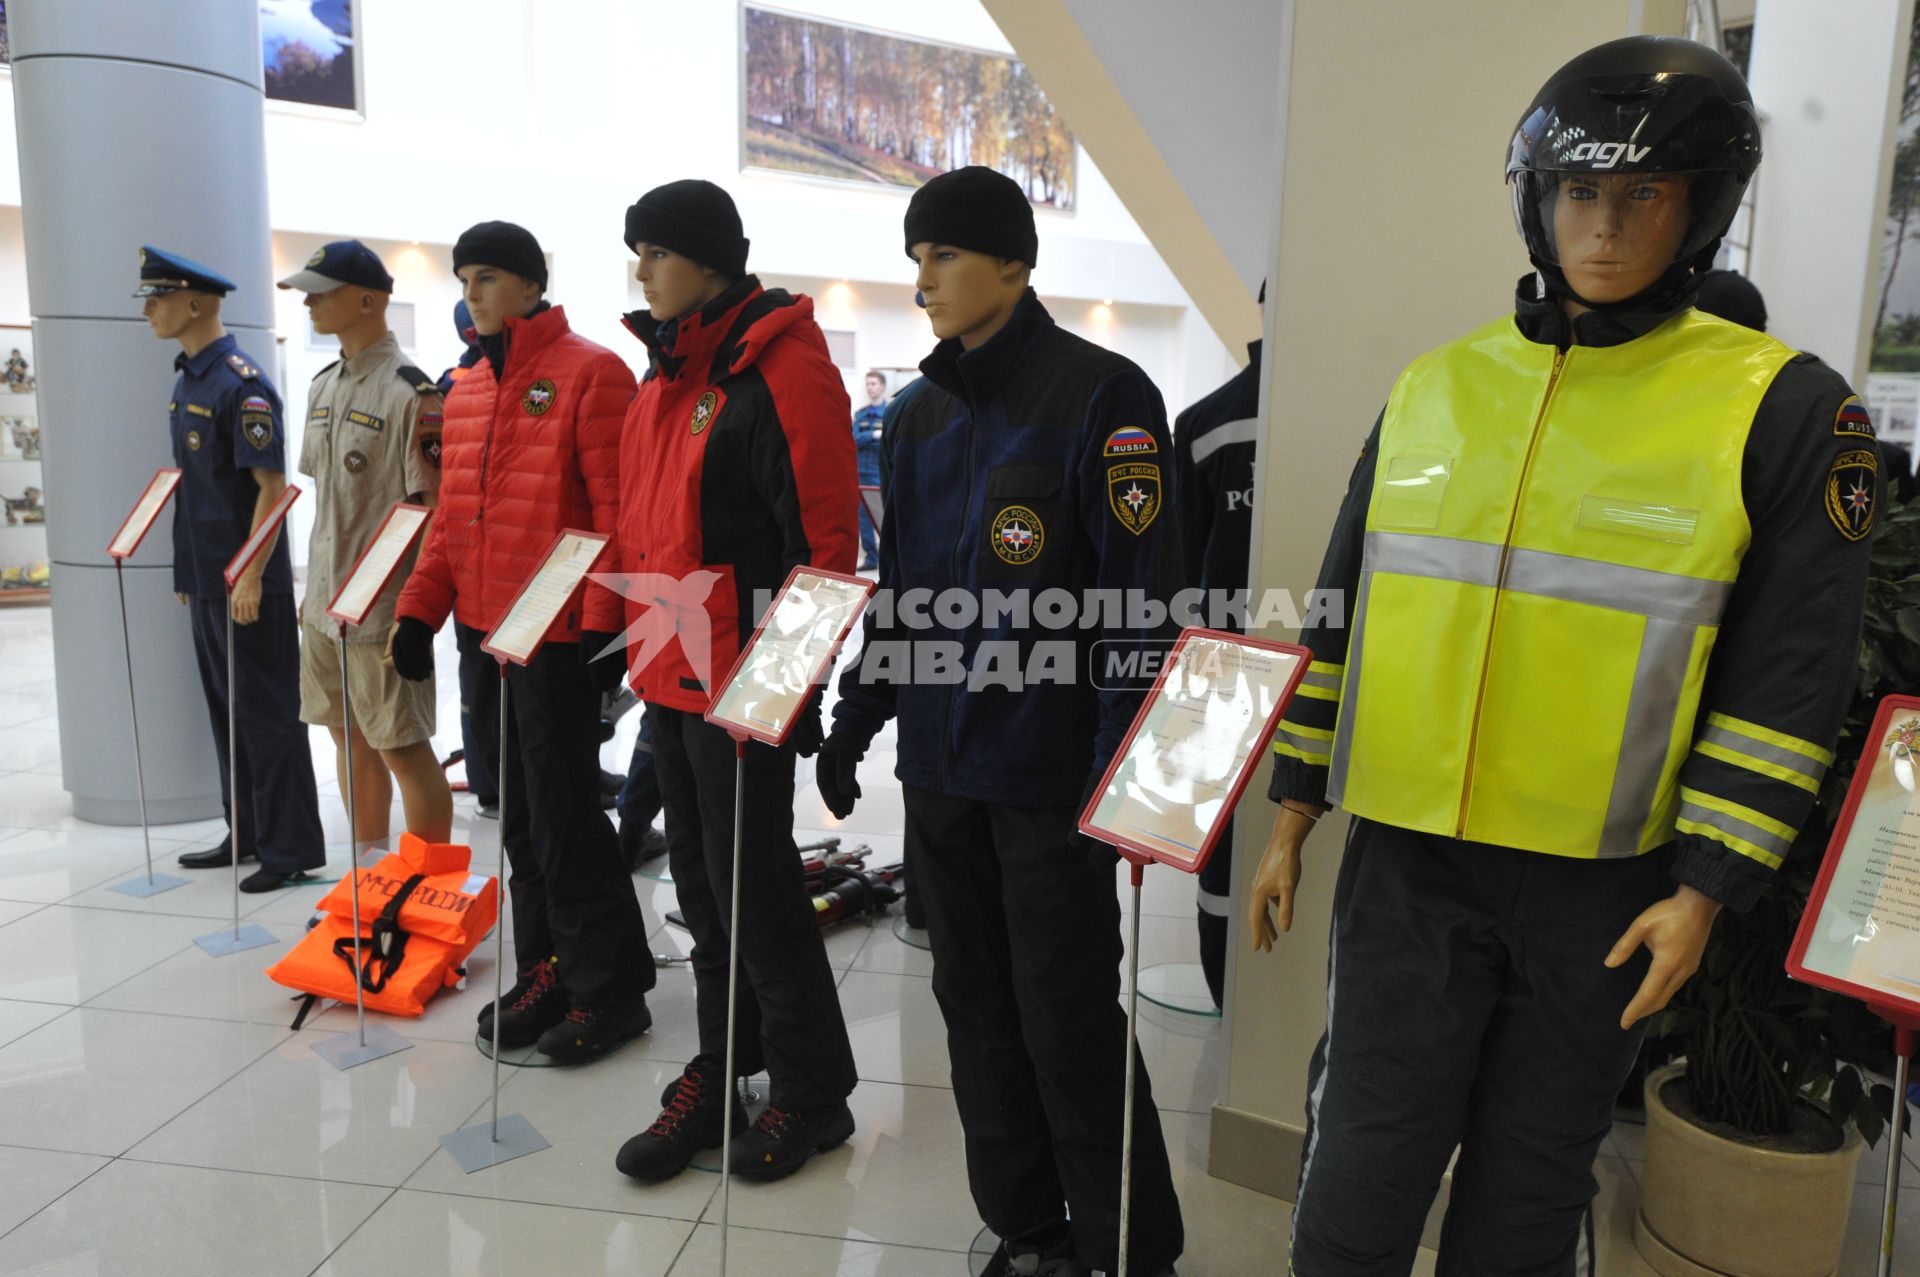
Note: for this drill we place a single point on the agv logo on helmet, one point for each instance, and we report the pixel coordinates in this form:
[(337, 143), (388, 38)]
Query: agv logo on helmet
[(1607, 154)]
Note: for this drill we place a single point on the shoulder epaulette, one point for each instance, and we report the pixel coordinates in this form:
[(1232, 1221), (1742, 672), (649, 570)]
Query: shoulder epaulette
[(239, 364), (417, 378)]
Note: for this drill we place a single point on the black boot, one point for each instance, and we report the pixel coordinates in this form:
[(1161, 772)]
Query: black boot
[(538, 1004), (640, 843), (783, 1139), (691, 1121), (1020, 1261), (587, 1033)]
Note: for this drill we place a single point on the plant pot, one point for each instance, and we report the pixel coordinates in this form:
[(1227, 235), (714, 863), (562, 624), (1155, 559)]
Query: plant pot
[(1711, 1207)]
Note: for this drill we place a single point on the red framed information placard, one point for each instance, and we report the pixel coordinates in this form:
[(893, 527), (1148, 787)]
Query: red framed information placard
[(1196, 742), (791, 649), (378, 562), (140, 519), (545, 595), (1860, 933), (262, 537)]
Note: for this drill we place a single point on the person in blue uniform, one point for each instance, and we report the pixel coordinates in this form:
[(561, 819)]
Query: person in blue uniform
[(1213, 479), (231, 449), (868, 421)]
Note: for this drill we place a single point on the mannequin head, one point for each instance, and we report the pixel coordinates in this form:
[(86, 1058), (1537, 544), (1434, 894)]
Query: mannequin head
[(494, 294), (184, 315), (674, 284), (356, 315), (876, 388), (1617, 234), (970, 296)]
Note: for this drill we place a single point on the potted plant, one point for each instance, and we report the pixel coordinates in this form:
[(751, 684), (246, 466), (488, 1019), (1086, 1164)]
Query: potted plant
[(1753, 1140)]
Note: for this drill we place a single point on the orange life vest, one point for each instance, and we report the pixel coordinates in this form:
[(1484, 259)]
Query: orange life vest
[(421, 914)]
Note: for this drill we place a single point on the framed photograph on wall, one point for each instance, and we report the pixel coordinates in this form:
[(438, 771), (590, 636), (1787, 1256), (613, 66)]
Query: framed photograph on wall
[(845, 103), (308, 52)]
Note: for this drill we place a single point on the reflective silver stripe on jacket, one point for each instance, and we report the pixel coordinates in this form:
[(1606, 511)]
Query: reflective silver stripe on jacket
[(1673, 606)]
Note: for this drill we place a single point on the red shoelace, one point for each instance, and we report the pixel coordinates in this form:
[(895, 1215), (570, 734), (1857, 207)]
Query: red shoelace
[(543, 982), (684, 1102)]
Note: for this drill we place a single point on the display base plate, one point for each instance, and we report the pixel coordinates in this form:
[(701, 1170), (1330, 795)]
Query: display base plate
[(227, 941), (477, 1147), (345, 1050), (1179, 986), (984, 1244), (916, 937), (142, 887)]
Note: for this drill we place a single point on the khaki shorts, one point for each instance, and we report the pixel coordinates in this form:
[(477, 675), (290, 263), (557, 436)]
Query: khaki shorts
[(389, 711)]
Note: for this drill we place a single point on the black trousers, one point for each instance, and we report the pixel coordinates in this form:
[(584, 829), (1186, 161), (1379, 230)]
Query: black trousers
[(1026, 968), (279, 807), (479, 689), (572, 896), (788, 1018), (1467, 1005), (1215, 890)]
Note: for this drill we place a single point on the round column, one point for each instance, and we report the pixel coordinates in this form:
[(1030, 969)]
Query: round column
[(136, 124)]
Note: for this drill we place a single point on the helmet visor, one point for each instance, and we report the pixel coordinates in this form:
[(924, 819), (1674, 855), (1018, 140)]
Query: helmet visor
[(1626, 225)]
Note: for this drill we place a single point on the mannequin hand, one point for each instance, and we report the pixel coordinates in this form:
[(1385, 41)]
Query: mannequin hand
[(246, 599), (1276, 879), (607, 672), (834, 771), (410, 649), (1675, 932)]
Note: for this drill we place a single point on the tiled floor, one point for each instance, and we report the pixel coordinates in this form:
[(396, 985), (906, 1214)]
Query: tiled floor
[(157, 1115)]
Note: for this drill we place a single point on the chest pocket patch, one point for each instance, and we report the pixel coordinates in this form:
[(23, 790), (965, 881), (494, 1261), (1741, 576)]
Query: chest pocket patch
[(355, 461), (193, 441), (539, 397), (1410, 493), (367, 419)]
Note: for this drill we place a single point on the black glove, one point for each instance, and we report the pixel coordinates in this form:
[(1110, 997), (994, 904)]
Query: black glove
[(807, 736), (605, 674), (1099, 854), (413, 650), (834, 773)]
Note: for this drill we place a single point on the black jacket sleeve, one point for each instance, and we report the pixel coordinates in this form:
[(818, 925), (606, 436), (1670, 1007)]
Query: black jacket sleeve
[(1303, 745), (1786, 663)]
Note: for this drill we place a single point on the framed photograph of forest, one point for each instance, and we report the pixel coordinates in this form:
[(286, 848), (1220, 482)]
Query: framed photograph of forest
[(845, 103), (307, 52)]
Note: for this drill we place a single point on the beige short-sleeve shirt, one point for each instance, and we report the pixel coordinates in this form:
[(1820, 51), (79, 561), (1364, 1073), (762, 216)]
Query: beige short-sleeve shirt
[(372, 438)]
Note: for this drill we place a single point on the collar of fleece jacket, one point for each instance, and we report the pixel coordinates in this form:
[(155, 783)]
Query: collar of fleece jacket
[(723, 337)]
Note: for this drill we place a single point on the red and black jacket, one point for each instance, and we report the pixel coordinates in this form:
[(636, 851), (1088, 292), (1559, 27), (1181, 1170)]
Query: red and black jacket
[(735, 461), (523, 456)]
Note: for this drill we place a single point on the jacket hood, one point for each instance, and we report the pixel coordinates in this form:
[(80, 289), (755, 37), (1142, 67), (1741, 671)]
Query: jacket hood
[(727, 335)]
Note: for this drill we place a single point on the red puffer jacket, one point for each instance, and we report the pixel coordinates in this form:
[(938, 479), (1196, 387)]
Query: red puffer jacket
[(524, 456), (737, 461)]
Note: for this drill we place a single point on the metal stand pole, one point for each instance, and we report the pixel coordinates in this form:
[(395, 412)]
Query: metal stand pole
[(1133, 1030), (344, 1051), (219, 944), (154, 884), (498, 1139), (500, 927), (1903, 1045), (733, 992)]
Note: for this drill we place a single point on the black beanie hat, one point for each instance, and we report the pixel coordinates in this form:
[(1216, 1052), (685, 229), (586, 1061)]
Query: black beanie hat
[(695, 219), (504, 245), (974, 208)]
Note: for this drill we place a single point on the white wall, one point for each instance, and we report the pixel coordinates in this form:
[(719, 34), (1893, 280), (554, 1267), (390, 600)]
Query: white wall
[(1827, 81), (1190, 72)]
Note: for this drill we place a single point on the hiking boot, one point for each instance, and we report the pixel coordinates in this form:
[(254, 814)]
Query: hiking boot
[(587, 1033), (691, 1121), (535, 1004), (783, 1139)]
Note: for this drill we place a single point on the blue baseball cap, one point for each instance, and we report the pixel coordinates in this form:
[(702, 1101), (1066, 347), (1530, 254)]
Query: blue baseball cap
[(345, 261)]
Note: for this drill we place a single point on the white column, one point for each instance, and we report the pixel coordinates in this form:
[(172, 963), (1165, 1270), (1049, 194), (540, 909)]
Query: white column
[(136, 124), (1826, 78)]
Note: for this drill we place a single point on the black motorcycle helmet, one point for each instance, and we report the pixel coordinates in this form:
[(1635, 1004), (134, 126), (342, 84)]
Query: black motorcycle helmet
[(1644, 104)]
